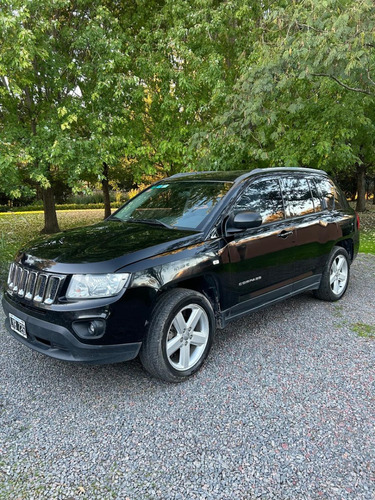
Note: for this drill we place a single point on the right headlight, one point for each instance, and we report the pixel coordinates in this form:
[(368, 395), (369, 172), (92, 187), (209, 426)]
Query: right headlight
[(95, 286)]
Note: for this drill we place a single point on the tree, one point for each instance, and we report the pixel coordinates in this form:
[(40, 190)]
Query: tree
[(197, 51), (306, 93), (69, 96), (90, 86)]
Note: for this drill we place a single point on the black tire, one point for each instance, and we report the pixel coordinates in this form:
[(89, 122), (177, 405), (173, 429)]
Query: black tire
[(188, 347), (332, 287)]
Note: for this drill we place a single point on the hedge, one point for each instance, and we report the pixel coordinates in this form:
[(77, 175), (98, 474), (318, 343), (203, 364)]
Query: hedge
[(70, 206)]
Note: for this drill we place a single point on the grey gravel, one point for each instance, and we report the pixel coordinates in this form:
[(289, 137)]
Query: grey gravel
[(282, 409)]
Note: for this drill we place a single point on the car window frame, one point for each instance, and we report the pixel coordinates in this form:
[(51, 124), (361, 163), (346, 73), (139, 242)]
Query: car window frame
[(339, 195), (233, 195), (214, 227), (288, 212)]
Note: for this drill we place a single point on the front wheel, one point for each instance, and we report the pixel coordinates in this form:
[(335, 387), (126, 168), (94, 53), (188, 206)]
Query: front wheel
[(335, 277), (179, 336)]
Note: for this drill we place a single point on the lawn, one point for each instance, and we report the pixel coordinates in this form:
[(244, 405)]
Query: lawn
[(17, 229), (367, 220)]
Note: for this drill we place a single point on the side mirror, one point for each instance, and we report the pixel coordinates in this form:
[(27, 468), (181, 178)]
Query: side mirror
[(242, 221)]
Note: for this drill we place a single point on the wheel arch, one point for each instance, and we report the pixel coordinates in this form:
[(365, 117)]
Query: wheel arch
[(205, 284), (348, 245)]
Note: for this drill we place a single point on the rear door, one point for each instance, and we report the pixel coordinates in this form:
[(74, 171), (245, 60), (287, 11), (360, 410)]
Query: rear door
[(315, 228)]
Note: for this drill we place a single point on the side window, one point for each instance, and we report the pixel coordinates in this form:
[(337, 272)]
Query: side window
[(315, 196), (297, 196), (263, 196), (329, 193)]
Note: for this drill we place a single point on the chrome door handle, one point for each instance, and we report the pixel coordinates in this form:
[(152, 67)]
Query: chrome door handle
[(284, 234)]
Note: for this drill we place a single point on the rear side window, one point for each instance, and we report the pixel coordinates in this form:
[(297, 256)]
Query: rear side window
[(331, 196), (315, 196), (297, 196), (263, 196)]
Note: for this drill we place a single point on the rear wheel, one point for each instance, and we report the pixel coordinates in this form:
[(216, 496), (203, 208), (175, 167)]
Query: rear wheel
[(335, 277), (179, 336)]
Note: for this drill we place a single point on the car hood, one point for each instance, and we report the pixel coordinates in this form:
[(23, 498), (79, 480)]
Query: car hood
[(103, 247)]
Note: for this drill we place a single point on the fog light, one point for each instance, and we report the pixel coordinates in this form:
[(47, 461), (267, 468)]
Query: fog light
[(90, 329), (96, 327)]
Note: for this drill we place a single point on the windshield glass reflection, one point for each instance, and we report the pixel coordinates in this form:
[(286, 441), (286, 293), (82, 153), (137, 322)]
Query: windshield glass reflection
[(176, 204)]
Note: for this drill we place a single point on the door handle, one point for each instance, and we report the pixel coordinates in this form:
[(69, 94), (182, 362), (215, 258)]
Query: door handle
[(284, 234)]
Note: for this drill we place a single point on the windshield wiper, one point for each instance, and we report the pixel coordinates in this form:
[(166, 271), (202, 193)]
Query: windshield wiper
[(153, 222)]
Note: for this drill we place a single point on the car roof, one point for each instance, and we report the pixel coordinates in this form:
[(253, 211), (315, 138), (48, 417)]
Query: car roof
[(240, 175)]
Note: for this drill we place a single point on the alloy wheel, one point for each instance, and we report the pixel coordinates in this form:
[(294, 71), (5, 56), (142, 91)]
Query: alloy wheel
[(187, 337)]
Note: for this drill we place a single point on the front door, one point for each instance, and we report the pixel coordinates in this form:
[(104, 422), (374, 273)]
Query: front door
[(261, 260)]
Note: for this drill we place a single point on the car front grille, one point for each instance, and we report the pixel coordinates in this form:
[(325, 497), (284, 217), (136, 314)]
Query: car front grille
[(39, 287)]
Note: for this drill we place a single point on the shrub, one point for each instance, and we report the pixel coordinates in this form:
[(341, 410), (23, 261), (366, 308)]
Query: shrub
[(67, 206)]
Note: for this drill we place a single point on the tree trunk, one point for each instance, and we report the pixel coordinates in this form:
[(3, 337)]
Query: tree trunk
[(105, 188), (371, 191), (50, 217), (361, 189)]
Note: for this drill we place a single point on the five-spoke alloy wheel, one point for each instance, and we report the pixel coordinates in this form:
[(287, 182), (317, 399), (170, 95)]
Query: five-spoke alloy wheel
[(335, 277), (339, 274), (187, 337), (179, 335)]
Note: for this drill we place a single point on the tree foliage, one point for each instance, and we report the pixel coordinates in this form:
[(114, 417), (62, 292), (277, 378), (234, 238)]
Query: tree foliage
[(100, 90), (201, 47), (70, 99), (306, 93)]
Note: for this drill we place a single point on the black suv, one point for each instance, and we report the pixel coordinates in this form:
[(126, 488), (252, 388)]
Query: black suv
[(185, 256)]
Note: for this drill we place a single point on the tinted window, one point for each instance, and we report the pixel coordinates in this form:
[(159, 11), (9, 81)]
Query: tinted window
[(329, 194), (263, 196), (315, 196), (297, 195)]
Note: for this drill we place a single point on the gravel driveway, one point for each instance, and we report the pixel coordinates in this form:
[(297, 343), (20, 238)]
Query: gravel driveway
[(283, 408)]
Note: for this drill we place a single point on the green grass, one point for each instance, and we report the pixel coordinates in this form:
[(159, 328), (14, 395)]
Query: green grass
[(17, 230), (367, 231), (367, 244), (364, 330)]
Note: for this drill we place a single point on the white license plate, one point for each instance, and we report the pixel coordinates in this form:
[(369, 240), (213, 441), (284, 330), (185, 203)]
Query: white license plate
[(18, 325)]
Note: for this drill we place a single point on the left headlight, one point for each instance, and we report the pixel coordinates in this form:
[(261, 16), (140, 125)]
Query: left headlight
[(95, 286)]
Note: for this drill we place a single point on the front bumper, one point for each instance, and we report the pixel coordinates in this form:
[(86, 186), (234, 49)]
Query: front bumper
[(58, 342)]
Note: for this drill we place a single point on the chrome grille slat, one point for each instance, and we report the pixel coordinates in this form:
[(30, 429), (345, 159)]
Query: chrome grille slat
[(30, 288), (40, 287), (11, 275), (52, 288), (16, 278), (22, 282)]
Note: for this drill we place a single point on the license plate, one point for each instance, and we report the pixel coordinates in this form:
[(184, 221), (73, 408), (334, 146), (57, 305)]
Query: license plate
[(18, 325)]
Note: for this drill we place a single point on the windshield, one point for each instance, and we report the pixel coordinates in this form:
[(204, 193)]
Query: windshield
[(179, 204)]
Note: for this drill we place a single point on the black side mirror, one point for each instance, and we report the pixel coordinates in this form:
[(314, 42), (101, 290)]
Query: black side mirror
[(242, 221)]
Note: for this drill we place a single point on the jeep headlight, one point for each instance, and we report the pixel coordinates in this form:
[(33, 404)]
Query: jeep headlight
[(95, 286)]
